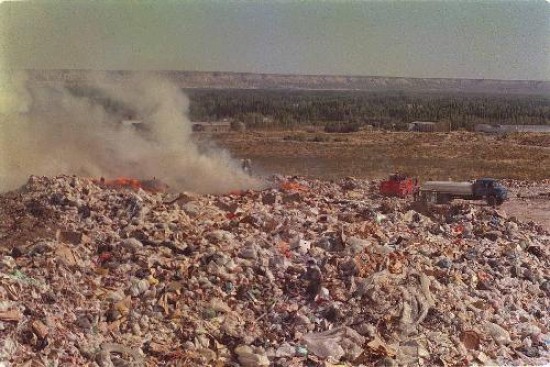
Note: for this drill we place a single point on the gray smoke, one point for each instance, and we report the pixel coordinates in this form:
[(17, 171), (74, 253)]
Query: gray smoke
[(48, 129)]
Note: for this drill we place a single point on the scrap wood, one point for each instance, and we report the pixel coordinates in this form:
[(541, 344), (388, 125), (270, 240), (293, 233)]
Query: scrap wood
[(11, 316)]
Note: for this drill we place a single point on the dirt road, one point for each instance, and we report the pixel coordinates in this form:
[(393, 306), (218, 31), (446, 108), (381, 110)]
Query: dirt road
[(533, 204)]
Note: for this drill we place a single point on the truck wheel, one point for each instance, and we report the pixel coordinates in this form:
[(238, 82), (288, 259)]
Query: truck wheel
[(491, 200)]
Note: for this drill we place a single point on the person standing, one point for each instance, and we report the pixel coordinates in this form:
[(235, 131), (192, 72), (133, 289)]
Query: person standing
[(246, 165)]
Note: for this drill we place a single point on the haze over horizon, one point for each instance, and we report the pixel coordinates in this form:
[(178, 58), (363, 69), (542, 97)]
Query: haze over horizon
[(474, 40)]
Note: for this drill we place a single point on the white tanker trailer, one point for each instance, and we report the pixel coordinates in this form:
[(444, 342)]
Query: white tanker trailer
[(444, 191)]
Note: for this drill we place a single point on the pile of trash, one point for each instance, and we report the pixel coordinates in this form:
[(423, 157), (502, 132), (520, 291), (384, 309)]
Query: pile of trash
[(307, 273)]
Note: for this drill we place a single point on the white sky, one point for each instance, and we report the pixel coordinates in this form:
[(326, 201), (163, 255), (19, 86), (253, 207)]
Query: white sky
[(464, 39)]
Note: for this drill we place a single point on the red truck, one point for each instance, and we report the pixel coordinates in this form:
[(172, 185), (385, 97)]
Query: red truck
[(399, 185)]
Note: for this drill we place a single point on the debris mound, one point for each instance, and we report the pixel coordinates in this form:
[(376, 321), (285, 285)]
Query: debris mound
[(306, 273)]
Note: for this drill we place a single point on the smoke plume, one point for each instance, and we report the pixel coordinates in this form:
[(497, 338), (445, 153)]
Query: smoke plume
[(49, 129)]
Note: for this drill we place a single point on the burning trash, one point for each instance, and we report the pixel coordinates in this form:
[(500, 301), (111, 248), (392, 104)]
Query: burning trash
[(154, 185), (82, 130)]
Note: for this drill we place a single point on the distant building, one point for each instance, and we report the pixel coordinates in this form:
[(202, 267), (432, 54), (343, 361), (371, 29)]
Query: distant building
[(212, 127), (422, 126), (503, 129)]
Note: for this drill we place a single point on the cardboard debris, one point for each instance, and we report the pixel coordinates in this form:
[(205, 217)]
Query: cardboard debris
[(11, 316), (39, 329), (304, 273)]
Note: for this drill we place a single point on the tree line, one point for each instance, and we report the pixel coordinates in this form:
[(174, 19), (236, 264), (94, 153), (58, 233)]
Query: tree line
[(289, 109)]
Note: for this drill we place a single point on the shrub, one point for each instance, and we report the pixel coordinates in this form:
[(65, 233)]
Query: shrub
[(295, 137), (238, 126), (340, 140), (320, 139), (342, 128)]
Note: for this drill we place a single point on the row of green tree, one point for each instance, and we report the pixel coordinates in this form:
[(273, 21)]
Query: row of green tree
[(289, 109)]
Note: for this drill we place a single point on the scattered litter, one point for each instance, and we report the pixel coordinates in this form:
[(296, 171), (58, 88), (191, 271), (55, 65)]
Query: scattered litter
[(307, 272)]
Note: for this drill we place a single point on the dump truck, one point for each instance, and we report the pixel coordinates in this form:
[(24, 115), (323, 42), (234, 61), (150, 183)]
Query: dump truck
[(399, 185), (487, 189)]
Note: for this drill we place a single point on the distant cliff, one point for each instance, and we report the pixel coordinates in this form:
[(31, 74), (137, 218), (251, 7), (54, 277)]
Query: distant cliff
[(226, 80)]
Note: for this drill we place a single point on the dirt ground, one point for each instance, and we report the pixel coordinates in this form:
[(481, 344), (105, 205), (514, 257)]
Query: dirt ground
[(533, 204), (375, 154), (537, 211), (459, 156)]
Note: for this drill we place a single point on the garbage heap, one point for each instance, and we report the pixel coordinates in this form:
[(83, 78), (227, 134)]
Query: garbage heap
[(308, 273)]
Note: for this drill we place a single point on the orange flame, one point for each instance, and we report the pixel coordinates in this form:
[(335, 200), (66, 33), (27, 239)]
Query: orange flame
[(132, 183), (292, 186)]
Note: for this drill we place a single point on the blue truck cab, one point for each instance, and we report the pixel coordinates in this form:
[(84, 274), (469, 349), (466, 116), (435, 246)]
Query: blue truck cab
[(489, 189)]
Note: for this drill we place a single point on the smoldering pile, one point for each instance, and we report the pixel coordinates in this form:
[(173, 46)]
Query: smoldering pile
[(306, 273), (136, 126)]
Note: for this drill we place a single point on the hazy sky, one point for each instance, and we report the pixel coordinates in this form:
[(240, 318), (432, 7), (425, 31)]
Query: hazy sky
[(500, 40)]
